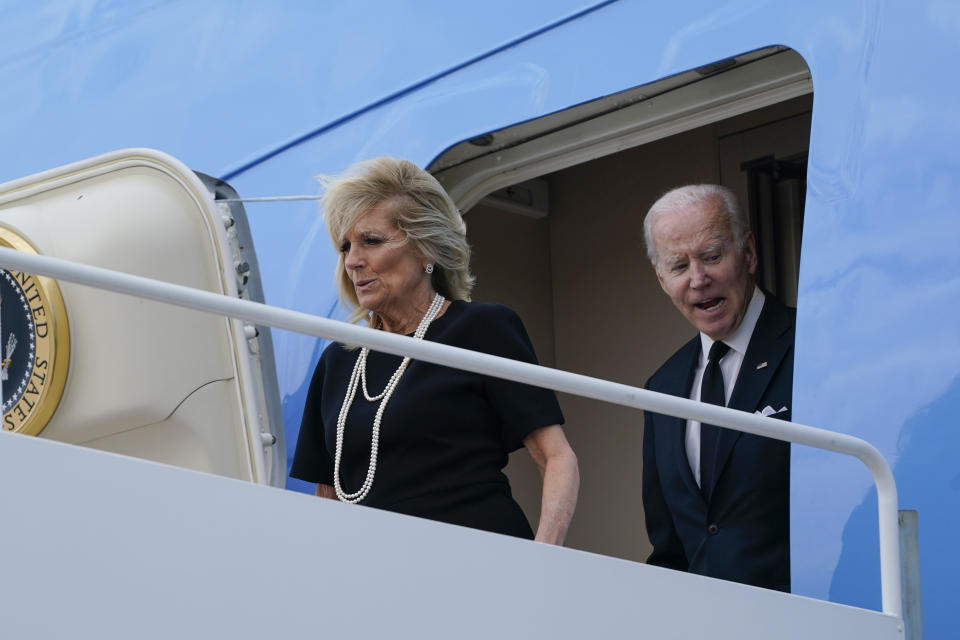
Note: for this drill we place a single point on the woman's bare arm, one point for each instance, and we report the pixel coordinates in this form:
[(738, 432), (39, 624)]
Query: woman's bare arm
[(326, 491), (558, 467)]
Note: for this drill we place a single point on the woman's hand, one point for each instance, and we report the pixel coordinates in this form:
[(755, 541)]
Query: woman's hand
[(557, 463), (326, 491)]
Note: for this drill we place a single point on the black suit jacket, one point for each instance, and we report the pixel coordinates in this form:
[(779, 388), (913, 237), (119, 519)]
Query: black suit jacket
[(743, 534)]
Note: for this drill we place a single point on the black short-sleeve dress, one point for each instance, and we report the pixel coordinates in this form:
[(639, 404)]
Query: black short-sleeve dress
[(445, 434)]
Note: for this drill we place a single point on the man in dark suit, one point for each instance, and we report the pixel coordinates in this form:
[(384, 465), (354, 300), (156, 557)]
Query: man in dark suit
[(717, 500)]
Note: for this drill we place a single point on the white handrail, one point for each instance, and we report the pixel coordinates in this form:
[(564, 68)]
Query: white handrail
[(456, 357)]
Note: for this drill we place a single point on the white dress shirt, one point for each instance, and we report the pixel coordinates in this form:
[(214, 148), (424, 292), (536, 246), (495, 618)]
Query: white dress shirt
[(738, 342)]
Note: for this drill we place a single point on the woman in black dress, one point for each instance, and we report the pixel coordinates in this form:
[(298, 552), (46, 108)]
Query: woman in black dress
[(409, 436)]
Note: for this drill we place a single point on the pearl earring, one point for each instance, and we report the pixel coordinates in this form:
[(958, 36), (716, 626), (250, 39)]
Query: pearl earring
[(428, 269)]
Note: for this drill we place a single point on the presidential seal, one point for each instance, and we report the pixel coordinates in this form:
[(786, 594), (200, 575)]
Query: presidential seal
[(34, 345)]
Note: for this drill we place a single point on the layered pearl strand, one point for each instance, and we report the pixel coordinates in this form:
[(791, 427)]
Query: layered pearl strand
[(359, 379)]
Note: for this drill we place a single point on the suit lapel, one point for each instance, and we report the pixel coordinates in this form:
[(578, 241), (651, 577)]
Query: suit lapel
[(766, 346), (678, 383)]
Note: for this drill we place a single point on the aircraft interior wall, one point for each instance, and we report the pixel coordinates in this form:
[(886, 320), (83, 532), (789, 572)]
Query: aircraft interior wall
[(582, 283)]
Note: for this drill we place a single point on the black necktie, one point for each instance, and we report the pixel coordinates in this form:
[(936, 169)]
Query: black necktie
[(712, 391)]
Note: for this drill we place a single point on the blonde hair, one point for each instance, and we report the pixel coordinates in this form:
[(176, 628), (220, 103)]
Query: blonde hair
[(422, 211)]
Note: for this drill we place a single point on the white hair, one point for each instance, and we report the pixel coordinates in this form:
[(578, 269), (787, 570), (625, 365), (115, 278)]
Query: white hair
[(693, 194)]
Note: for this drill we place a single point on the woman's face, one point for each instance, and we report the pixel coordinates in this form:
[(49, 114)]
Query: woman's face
[(384, 268)]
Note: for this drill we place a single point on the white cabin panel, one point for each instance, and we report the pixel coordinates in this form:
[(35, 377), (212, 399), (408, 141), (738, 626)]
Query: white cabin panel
[(196, 555), (140, 372)]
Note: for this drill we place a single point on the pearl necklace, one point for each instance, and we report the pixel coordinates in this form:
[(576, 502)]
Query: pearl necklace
[(359, 378)]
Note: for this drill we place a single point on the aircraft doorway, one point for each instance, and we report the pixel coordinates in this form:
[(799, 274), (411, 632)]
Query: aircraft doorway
[(564, 248)]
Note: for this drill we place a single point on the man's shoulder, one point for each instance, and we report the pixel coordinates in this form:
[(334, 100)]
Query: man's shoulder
[(776, 323), (676, 369), (777, 313)]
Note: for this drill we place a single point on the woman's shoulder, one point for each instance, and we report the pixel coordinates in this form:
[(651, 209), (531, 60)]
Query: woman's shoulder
[(482, 326), (489, 315), (335, 355), (483, 309)]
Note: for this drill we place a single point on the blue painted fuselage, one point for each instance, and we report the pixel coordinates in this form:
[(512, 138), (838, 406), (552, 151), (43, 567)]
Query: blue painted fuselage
[(267, 99)]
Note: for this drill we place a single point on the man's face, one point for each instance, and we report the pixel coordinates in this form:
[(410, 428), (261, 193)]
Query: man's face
[(699, 265)]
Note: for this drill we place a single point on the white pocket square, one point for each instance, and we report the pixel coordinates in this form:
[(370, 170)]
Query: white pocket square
[(770, 411)]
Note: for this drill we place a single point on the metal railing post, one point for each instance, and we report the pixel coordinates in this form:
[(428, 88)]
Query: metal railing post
[(910, 554)]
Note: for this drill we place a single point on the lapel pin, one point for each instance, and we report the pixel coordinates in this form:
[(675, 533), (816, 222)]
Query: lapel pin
[(761, 365)]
